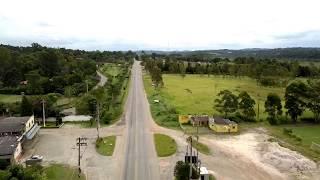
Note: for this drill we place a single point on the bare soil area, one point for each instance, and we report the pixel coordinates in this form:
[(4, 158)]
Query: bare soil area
[(246, 156)]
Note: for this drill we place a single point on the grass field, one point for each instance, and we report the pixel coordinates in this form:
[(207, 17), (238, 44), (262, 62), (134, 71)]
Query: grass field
[(195, 94), (106, 145), (165, 145), (7, 98), (111, 69), (58, 172)]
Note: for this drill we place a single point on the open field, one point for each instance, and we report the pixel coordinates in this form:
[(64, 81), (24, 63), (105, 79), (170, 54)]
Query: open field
[(111, 69), (105, 146), (58, 172), (195, 94), (7, 98), (165, 145)]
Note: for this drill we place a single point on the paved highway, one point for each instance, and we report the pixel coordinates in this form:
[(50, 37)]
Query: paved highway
[(140, 159)]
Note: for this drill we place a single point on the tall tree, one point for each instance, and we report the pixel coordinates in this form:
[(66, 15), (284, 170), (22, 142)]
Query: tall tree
[(313, 95), (294, 99), (246, 106), (26, 107), (227, 104), (273, 107), (49, 63), (156, 76)]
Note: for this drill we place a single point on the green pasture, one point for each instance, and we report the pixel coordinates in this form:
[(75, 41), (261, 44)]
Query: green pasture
[(195, 94)]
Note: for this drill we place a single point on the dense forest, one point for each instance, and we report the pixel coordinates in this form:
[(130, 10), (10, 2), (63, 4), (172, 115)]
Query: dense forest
[(42, 70)]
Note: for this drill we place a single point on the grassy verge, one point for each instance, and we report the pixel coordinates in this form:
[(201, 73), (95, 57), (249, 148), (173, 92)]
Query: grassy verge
[(162, 113), (300, 140), (7, 98), (204, 149), (165, 145), (105, 146), (58, 172)]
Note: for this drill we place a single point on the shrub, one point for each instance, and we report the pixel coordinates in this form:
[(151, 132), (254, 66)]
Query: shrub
[(287, 131)]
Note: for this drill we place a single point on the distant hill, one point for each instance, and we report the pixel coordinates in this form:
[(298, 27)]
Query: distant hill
[(297, 53)]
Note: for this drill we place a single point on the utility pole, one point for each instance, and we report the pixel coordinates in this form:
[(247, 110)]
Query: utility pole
[(80, 142), (258, 116), (87, 86), (43, 114), (190, 163), (98, 119)]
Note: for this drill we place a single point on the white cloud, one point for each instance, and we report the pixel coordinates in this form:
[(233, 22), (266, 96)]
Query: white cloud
[(158, 24)]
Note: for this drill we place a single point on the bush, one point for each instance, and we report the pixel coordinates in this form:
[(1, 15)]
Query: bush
[(287, 131), (272, 121)]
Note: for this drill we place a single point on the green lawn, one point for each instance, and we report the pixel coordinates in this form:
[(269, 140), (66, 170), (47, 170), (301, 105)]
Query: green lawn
[(58, 172), (105, 146), (7, 98), (165, 145)]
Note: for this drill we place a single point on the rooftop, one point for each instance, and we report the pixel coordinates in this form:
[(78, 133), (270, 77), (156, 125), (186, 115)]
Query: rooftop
[(220, 120), (204, 118), (8, 145), (13, 124)]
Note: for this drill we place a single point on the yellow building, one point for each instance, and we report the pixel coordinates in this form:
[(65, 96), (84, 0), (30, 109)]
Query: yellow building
[(184, 119), (222, 125)]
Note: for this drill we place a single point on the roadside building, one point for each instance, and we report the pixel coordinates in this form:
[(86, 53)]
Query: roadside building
[(23, 127), (221, 125), (201, 120), (184, 119), (14, 131), (10, 150)]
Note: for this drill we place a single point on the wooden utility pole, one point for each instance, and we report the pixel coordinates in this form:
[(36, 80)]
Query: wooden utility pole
[(43, 114), (87, 86), (80, 142), (98, 119)]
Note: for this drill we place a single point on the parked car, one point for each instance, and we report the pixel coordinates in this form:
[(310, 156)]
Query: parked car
[(34, 159)]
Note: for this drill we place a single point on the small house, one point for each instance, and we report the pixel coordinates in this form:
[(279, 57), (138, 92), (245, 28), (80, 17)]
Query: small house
[(221, 125), (19, 126), (202, 120)]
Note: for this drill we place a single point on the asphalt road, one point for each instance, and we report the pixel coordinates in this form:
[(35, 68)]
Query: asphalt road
[(140, 159)]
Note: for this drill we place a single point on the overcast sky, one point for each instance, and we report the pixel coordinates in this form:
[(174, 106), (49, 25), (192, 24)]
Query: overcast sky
[(161, 24)]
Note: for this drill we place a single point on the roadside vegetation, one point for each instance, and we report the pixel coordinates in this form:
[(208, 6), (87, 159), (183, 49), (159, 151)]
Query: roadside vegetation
[(105, 146), (40, 73), (37, 172), (165, 145), (110, 98)]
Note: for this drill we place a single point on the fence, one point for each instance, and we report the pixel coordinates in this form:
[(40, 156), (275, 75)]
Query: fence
[(316, 147)]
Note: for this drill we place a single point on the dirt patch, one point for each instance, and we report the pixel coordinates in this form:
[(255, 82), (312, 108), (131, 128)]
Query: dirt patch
[(269, 156)]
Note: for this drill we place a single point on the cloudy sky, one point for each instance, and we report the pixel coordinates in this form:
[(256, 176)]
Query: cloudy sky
[(161, 24)]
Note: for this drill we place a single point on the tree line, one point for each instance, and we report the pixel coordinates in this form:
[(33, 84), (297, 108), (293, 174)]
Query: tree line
[(42, 70), (267, 72), (299, 97)]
